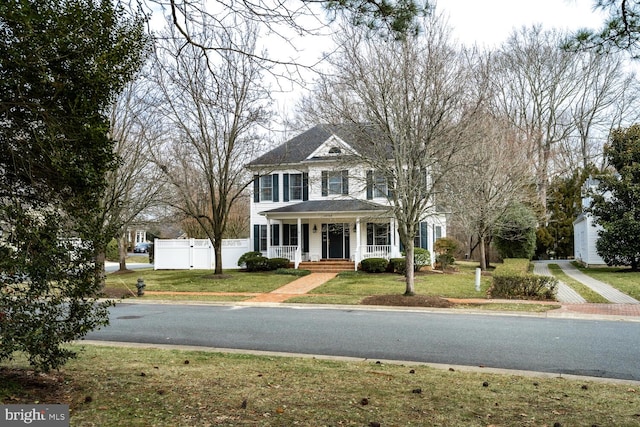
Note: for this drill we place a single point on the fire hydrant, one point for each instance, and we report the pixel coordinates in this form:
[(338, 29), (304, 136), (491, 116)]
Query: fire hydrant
[(140, 285)]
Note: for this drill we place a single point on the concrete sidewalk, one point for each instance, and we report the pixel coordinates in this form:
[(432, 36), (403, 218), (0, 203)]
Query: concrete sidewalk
[(607, 291), (566, 294)]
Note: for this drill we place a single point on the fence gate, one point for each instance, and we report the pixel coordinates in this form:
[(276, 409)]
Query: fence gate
[(182, 254), (196, 254)]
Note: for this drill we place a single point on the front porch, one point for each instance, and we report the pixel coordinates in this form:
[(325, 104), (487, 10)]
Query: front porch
[(321, 231)]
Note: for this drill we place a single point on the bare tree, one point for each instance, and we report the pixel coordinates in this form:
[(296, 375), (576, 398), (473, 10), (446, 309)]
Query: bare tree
[(134, 186), (536, 87), (213, 104), (495, 176), (408, 100), (603, 83)]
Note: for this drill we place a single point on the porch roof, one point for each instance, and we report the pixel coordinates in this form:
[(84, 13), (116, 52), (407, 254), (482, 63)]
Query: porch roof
[(311, 207)]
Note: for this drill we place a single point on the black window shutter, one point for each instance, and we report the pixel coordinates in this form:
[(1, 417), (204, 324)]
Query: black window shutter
[(369, 185), (305, 238), (275, 187), (286, 232), (369, 233), (256, 238), (325, 183), (423, 235), (275, 234), (256, 188), (305, 187), (345, 182), (285, 187)]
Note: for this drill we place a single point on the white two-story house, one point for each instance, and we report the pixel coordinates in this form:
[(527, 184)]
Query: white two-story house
[(309, 203)]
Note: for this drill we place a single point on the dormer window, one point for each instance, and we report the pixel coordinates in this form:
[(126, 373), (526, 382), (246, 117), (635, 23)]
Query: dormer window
[(335, 150)]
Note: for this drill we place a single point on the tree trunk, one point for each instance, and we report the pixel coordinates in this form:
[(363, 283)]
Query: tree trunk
[(409, 275), (99, 274), (122, 253), (217, 250), (483, 258)]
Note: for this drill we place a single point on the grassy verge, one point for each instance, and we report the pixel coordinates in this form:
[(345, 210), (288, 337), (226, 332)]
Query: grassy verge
[(621, 278), (355, 300), (136, 387), (586, 292), (199, 281), (460, 284)]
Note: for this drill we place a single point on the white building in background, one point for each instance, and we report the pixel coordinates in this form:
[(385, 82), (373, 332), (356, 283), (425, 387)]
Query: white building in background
[(585, 232)]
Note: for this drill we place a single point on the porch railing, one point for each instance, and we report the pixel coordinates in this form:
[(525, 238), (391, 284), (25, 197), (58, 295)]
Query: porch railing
[(288, 252), (375, 251)]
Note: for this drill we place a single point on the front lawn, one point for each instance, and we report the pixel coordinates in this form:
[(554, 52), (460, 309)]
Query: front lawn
[(109, 386), (459, 284), (621, 278), (199, 281)]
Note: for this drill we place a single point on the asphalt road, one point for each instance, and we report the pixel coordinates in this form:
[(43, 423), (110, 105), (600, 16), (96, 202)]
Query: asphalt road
[(564, 346)]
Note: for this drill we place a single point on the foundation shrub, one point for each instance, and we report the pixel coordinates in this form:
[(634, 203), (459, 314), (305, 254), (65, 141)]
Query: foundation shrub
[(374, 265)]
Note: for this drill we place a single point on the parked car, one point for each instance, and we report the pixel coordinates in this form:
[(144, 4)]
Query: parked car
[(141, 248)]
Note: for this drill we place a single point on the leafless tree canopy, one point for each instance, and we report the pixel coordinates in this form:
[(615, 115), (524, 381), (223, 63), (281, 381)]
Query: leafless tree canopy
[(213, 104), (409, 99)]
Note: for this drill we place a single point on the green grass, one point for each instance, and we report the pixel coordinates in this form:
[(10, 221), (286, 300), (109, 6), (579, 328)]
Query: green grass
[(622, 279), (460, 284), (586, 292), (200, 281), (109, 386)]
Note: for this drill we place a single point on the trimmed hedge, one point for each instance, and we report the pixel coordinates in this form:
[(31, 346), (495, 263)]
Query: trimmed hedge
[(398, 265), (243, 258), (276, 263), (257, 263), (374, 265), (513, 280)]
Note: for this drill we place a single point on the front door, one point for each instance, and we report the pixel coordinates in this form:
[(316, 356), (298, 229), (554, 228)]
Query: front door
[(335, 241)]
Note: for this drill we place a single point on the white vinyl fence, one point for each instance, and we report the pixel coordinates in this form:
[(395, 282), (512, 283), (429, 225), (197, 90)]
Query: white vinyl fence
[(196, 254)]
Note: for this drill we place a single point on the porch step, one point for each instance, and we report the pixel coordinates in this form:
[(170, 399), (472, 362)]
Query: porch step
[(327, 266)]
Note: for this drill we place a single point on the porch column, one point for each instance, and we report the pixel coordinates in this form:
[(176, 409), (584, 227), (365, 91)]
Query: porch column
[(392, 231), (298, 255), (268, 237), (396, 238), (357, 257)]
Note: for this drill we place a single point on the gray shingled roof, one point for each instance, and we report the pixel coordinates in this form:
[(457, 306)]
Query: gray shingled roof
[(298, 148), (318, 206)]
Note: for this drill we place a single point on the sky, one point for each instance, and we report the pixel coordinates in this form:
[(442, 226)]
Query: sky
[(489, 22)]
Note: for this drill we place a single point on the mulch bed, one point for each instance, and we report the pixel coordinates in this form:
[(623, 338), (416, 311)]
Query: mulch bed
[(407, 301)]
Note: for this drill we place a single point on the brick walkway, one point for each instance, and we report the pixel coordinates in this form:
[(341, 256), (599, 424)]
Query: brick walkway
[(298, 287), (632, 310)]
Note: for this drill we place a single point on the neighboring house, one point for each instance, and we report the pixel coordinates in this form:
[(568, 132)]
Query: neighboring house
[(309, 203), (135, 236), (585, 232)]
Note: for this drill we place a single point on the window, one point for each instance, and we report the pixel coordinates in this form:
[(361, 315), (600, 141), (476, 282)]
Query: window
[(263, 238), (378, 234), (290, 235), (260, 237), (295, 186), (266, 188), (335, 182), (335, 150), (377, 185), (380, 188)]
